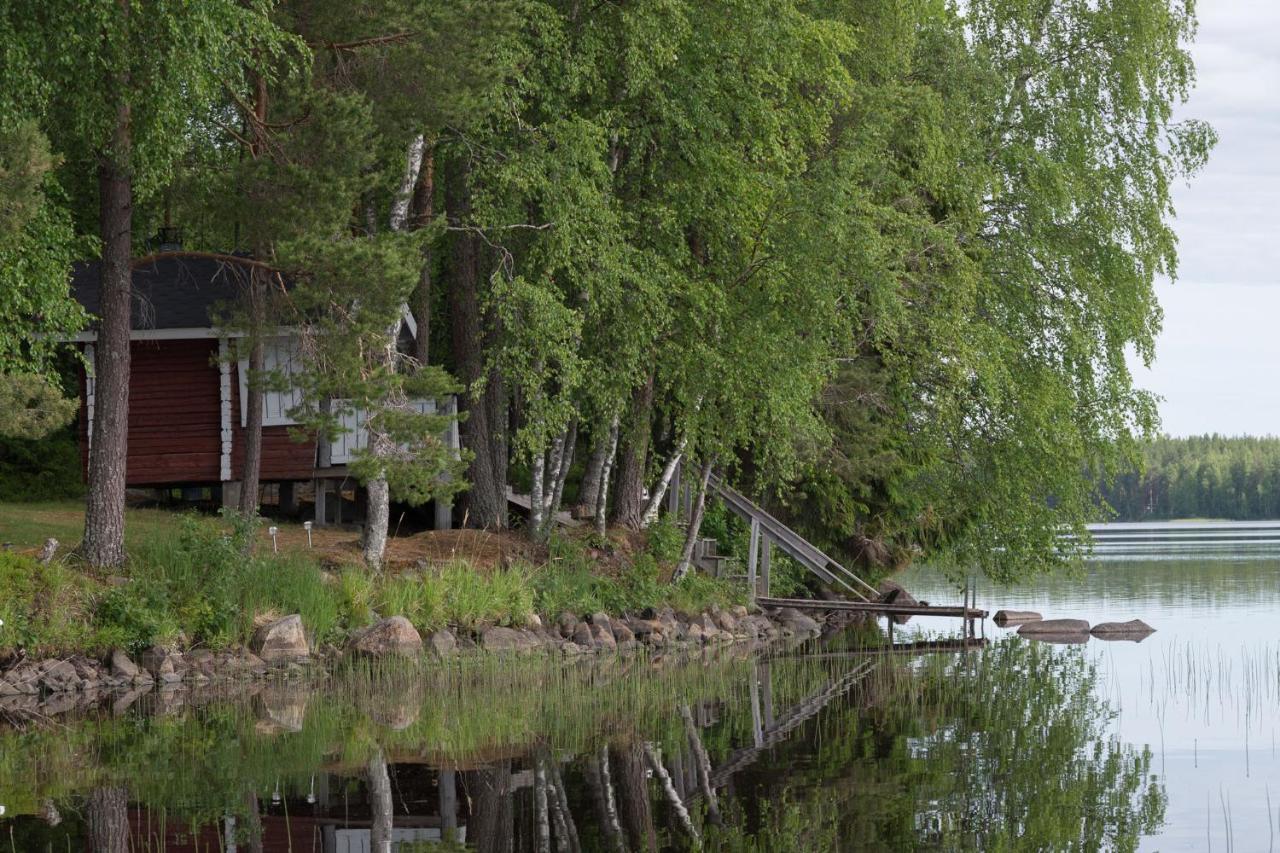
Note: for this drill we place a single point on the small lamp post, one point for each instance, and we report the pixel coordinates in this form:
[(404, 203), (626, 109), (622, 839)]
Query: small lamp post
[(306, 525), (272, 531)]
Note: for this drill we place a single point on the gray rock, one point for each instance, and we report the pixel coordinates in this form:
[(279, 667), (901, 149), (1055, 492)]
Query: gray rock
[(582, 635), (566, 623), (602, 637), (443, 643), (59, 676), (162, 663), (392, 636), (798, 622), (122, 666), (624, 636), (1016, 617), (505, 640), (281, 641), (1134, 630), (726, 621), (1055, 626)]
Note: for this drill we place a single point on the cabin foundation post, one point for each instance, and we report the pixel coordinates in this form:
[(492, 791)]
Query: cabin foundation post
[(288, 498), (231, 494), (443, 514), (321, 492)]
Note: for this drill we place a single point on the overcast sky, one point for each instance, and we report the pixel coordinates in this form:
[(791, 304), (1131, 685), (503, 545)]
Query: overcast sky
[(1218, 359)]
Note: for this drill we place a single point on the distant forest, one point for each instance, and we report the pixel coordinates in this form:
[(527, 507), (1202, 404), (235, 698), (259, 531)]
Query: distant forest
[(1204, 476)]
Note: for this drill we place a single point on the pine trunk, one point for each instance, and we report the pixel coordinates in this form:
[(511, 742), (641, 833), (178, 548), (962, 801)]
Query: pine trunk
[(484, 427), (629, 505), (589, 493), (252, 466), (104, 510), (108, 818)]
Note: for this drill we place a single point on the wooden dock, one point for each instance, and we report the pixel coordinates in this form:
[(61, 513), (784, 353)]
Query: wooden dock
[(879, 608)]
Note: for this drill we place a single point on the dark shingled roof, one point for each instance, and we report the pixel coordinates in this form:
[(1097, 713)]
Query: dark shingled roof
[(169, 293)]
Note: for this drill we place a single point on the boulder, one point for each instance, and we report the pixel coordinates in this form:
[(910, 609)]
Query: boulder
[(443, 643), (739, 611), (1054, 626), (122, 666), (624, 636), (892, 592), (392, 636), (602, 637), (726, 621), (281, 641), (505, 640), (1061, 638), (582, 635), (533, 620), (647, 630), (1016, 617), (1135, 630), (58, 676), (798, 622), (566, 622)]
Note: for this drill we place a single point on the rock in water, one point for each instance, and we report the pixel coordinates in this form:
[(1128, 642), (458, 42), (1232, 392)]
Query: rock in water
[(393, 636), (443, 643), (281, 641), (1016, 617), (1135, 630), (892, 592), (1055, 626)]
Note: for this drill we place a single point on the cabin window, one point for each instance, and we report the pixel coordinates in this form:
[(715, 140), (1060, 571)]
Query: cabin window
[(277, 354)]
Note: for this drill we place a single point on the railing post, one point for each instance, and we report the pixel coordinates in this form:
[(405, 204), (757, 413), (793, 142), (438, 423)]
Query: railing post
[(753, 557), (766, 552)]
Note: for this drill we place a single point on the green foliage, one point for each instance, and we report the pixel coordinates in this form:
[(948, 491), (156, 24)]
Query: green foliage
[(46, 469), (42, 607), (1204, 476)]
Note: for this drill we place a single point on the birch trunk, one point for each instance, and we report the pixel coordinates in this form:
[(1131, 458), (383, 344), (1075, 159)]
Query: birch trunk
[(404, 191), (562, 474), (103, 544), (695, 524), (597, 777), (540, 810), (664, 483), (537, 506), (380, 804), (381, 447), (602, 499), (702, 763), (423, 213), (677, 804)]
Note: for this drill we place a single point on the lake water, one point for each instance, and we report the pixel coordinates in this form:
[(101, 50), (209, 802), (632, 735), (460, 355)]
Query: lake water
[(1168, 744)]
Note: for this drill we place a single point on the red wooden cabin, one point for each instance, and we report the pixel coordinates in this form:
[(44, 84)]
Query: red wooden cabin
[(187, 412)]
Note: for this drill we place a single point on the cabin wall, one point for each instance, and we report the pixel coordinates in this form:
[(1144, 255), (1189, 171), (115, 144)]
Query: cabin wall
[(175, 417)]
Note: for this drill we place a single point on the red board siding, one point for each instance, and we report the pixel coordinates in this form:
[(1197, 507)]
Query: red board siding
[(282, 457), (175, 413)]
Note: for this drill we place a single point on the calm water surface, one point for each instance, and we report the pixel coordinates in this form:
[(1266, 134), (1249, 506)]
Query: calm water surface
[(1169, 744)]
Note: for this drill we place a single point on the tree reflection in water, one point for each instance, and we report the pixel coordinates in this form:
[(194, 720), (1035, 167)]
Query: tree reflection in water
[(1006, 749)]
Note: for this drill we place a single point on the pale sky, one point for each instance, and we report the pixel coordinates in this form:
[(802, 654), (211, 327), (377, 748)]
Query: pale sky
[(1218, 359)]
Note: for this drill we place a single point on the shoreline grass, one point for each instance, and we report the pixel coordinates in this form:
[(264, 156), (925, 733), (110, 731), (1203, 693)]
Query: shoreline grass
[(195, 580)]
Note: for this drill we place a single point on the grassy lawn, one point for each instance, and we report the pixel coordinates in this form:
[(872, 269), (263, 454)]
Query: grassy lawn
[(26, 526)]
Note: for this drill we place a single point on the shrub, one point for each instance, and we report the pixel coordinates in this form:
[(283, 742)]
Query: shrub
[(43, 607)]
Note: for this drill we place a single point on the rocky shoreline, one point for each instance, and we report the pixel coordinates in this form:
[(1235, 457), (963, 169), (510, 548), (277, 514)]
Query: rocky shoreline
[(280, 650)]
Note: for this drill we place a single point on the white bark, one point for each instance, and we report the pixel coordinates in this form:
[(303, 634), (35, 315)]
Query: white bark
[(537, 505), (664, 482), (677, 804), (702, 762), (602, 499), (612, 824), (590, 491), (404, 192), (695, 524), (562, 474), (378, 513), (541, 817)]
